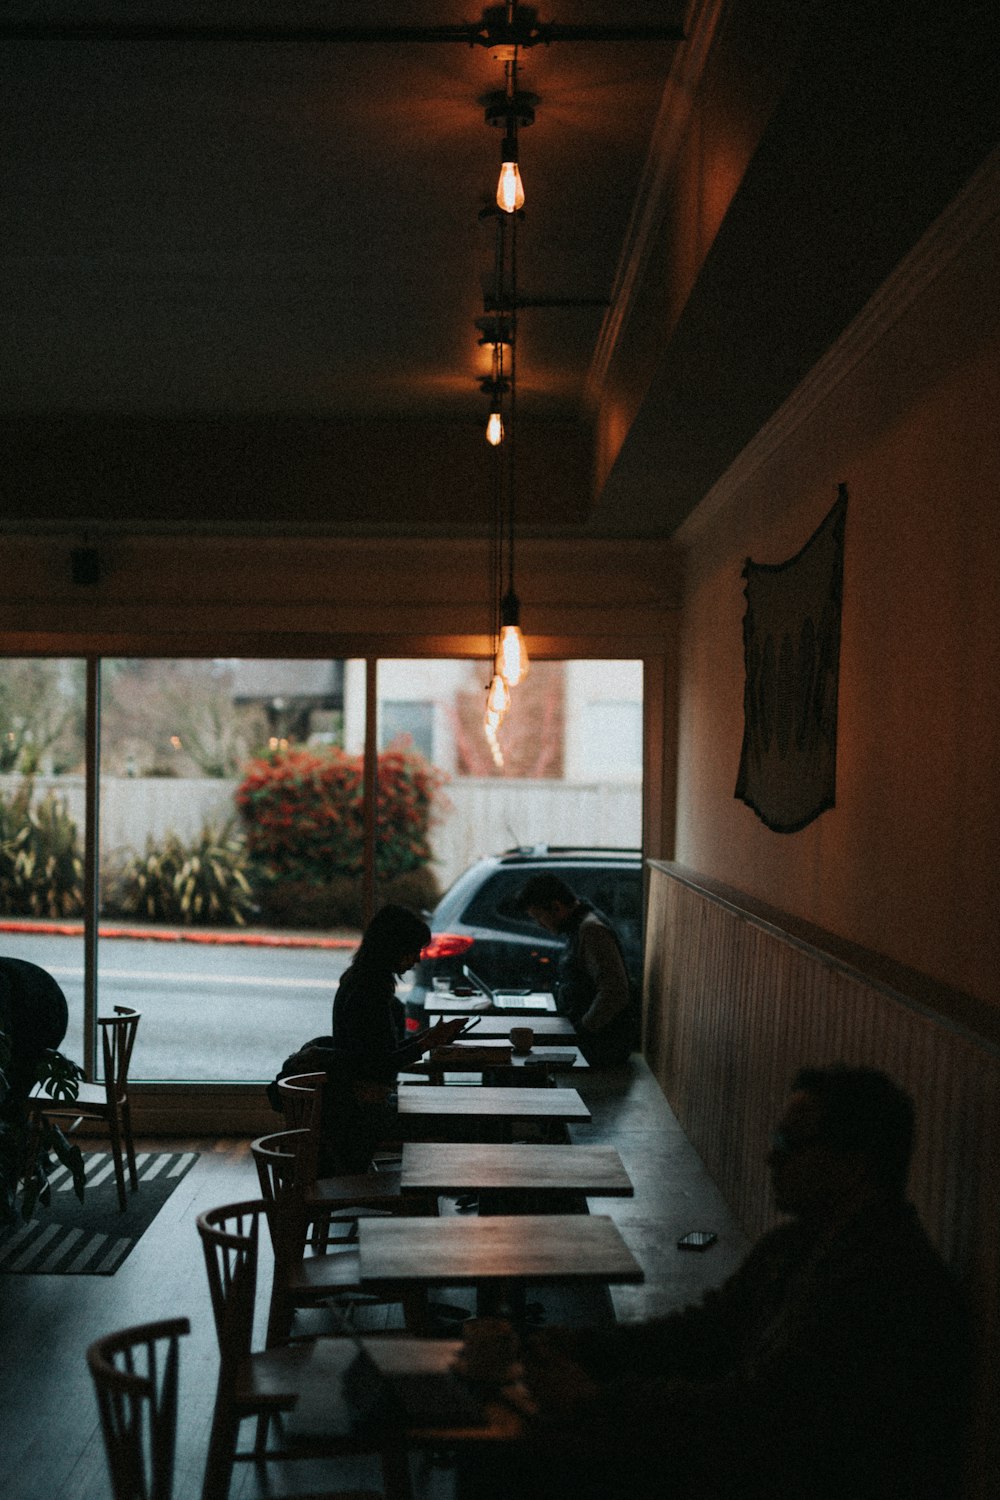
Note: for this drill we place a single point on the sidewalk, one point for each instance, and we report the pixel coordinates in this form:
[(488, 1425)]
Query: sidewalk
[(344, 938)]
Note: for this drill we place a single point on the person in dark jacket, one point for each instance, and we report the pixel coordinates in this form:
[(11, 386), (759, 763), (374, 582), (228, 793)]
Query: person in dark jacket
[(834, 1364), (592, 983), (368, 1045)]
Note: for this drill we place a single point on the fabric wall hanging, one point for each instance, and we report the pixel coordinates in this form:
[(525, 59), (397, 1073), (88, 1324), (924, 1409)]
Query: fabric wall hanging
[(791, 654)]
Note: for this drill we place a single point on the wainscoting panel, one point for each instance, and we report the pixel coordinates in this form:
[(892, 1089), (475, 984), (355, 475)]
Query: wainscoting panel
[(737, 1001)]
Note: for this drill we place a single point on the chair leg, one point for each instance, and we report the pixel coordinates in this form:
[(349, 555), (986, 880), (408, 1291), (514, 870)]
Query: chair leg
[(396, 1472), (221, 1453), (129, 1145), (116, 1152)]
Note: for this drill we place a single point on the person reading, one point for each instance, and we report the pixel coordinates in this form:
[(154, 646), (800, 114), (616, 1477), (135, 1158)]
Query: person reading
[(833, 1365), (592, 983)]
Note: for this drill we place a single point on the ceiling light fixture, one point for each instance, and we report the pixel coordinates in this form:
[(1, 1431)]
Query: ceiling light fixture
[(511, 110), (496, 387), (510, 188)]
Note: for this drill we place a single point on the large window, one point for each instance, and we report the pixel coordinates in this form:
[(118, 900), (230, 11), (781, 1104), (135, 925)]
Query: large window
[(232, 814), (42, 820), (226, 917), (570, 770)]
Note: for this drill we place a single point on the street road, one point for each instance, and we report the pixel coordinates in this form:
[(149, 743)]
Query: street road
[(208, 1013)]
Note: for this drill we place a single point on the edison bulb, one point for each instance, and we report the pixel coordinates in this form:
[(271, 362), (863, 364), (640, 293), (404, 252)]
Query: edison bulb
[(510, 188), (498, 696), (512, 656), (494, 429)]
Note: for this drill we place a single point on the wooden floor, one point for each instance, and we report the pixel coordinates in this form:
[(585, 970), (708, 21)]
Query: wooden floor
[(50, 1446)]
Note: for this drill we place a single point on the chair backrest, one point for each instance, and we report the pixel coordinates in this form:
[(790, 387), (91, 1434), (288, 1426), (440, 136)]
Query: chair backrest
[(286, 1166), (302, 1097), (117, 1040), (229, 1239), (279, 1159), (135, 1380)]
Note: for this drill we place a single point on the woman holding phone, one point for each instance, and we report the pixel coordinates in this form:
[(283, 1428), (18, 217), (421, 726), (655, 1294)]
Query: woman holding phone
[(368, 1045)]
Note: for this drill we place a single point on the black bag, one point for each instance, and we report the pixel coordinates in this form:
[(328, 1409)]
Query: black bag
[(298, 1062)]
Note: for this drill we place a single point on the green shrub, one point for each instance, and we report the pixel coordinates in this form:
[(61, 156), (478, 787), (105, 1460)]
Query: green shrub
[(204, 883), (41, 863)]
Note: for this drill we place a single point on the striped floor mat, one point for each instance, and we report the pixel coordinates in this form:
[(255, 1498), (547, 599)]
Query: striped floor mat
[(92, 1238)]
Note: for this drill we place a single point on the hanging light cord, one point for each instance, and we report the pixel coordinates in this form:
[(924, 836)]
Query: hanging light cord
[(512, 455), (497, 540)]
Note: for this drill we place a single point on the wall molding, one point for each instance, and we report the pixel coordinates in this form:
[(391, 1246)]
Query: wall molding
[(673, 119), (974, 210)]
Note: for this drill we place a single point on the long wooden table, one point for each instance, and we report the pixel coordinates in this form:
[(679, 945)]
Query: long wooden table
[(419, 1101), (550, 1031), (457, 1167), (536, 1002), (463, 1057), (498, 1255)]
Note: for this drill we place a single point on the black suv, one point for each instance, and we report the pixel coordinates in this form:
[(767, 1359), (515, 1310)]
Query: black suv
[(475, 921)]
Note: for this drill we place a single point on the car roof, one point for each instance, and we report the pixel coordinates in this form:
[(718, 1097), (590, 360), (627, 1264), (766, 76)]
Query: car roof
[(564, 852)]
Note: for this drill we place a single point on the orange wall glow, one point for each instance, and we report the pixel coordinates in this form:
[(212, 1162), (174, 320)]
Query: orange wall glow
[(907, 862)]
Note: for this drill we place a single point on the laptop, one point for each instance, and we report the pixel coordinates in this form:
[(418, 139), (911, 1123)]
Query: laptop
[(526, 1000)]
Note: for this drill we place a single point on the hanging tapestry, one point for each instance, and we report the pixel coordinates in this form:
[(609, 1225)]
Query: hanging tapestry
[(791, 654)]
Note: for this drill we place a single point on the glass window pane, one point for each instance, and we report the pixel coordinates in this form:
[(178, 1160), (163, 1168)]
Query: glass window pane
[(568, 773), (42, 812), (231, 853)]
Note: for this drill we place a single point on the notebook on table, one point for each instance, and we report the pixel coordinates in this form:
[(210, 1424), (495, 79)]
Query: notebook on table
[(358, 1384), (526, 1000), (410, 1381)]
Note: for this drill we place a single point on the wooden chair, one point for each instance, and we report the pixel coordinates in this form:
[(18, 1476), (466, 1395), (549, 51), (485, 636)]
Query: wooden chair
[(286, 1159), (107, 1101), (259, 1384), (302, 1098), (135, 1380), (309, 1269)]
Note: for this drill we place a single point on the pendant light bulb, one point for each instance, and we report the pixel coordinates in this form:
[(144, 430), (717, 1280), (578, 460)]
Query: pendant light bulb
[(498, 695), (510, 188), (512, 654), (494, 428), (512, 657), (494, 744)]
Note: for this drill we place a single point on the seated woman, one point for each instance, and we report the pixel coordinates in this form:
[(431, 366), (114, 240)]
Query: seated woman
[(368, 1046)]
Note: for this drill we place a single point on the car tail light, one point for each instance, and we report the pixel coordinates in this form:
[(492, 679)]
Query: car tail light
[(447, 945)]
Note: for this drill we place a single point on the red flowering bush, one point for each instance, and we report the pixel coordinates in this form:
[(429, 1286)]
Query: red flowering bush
[(304, 815)]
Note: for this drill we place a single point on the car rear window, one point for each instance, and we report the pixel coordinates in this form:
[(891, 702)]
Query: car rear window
[(615, 892)]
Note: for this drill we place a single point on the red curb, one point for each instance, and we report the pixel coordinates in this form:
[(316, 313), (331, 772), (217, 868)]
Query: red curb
[(145, 934)]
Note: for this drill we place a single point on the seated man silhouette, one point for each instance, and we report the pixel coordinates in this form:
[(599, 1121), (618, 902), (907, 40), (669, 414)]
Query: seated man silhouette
[(831, 1366)]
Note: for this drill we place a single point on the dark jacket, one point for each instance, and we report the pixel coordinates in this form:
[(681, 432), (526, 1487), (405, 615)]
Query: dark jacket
[(368, 1023), (593, 989), (830, 1368)]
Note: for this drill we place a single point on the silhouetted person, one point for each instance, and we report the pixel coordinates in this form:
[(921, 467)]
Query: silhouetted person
[(833, 1365), (592, 984), (368, 1045), (34, 1016)]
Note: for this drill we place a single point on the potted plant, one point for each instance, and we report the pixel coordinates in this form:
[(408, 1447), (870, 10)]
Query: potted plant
[(62, 1079)]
